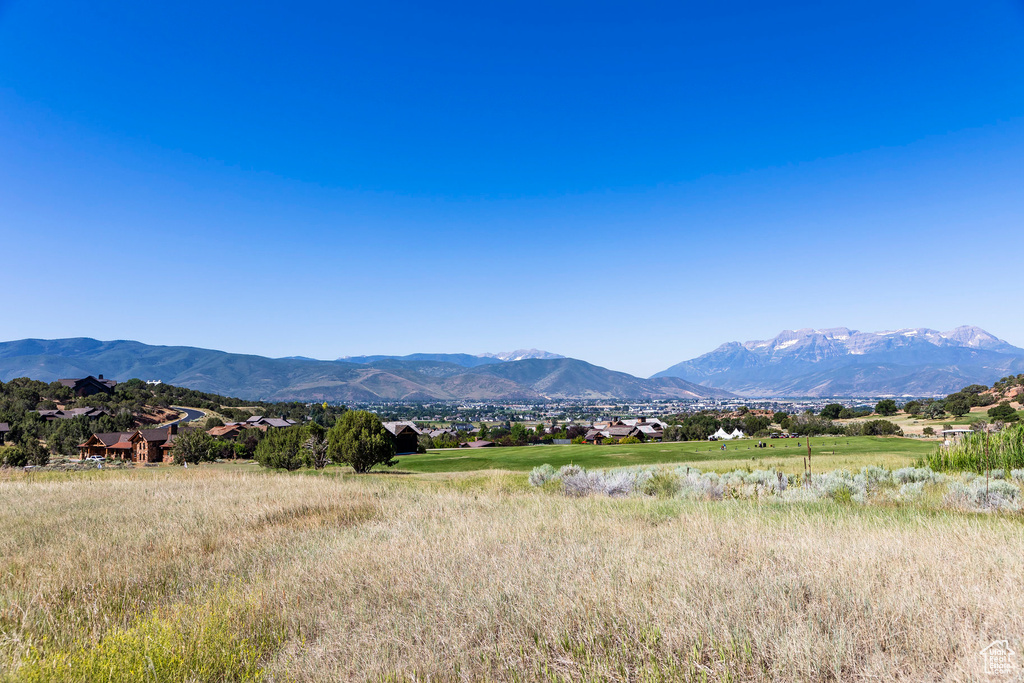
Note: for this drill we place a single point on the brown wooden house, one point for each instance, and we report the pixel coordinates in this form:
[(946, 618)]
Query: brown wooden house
[(107, 444), (141, 446), (153, 445)]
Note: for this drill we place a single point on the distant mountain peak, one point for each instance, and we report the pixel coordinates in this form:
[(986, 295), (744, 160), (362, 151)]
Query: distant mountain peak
[(973, 337), (522, 354), (839, 361)]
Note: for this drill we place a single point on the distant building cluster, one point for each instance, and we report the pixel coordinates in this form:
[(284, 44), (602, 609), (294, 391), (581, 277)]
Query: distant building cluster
[(642, 428)]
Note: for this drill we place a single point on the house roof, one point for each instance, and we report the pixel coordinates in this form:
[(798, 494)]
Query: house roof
[(74, 382), (649, 421), (154, 435), (263, 422), (108, 439), (479, 443), (89, 411), (226, 429), (397, 428), (4, 427)]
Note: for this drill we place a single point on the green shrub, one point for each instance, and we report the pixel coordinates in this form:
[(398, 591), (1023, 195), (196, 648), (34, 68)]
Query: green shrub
[(886, 407), (881, 428), (1003, 412), (281, 449), (359, 439), (662, 485), (192, 445), (13, 456)]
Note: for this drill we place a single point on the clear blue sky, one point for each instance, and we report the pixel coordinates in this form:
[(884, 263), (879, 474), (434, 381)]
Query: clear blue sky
[(627, 183)]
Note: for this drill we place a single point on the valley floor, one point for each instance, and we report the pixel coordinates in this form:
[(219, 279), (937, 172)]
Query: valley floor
[(215, 574)]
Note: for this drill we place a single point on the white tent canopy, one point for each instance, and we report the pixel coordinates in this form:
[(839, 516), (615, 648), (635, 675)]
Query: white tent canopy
[(722, 435)]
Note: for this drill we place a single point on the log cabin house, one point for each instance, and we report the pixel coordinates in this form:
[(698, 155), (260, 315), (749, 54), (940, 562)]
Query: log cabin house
[(140, 446)]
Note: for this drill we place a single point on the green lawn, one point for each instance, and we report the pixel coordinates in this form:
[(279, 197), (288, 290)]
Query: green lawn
[(828, 452)]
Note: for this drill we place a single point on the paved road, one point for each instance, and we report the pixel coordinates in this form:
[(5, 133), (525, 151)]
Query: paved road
[(190, 415)]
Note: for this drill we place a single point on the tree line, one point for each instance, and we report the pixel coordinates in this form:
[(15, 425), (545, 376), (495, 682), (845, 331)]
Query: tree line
[(357, 438)]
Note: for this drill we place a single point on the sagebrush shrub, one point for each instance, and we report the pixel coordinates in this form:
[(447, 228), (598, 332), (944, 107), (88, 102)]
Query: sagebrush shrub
[(542, 475), (569, 470), (979, 494), (582, 483), (965, 492), (909, 475), (911, 491), (617, 484)]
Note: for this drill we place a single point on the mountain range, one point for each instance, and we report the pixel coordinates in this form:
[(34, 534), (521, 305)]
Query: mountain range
[(464, 359), (845, 362), (422, 377)]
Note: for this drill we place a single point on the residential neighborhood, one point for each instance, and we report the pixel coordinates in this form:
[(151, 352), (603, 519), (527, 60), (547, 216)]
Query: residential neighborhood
[(144, 446)]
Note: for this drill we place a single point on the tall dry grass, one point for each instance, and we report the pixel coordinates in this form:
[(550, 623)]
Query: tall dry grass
[(473, 578)]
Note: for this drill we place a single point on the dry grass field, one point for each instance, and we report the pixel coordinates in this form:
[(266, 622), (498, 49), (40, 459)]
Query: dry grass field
[(207, 575)]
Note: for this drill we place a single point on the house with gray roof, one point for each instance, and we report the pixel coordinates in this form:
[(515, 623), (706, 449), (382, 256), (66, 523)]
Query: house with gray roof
[(87, 386)]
